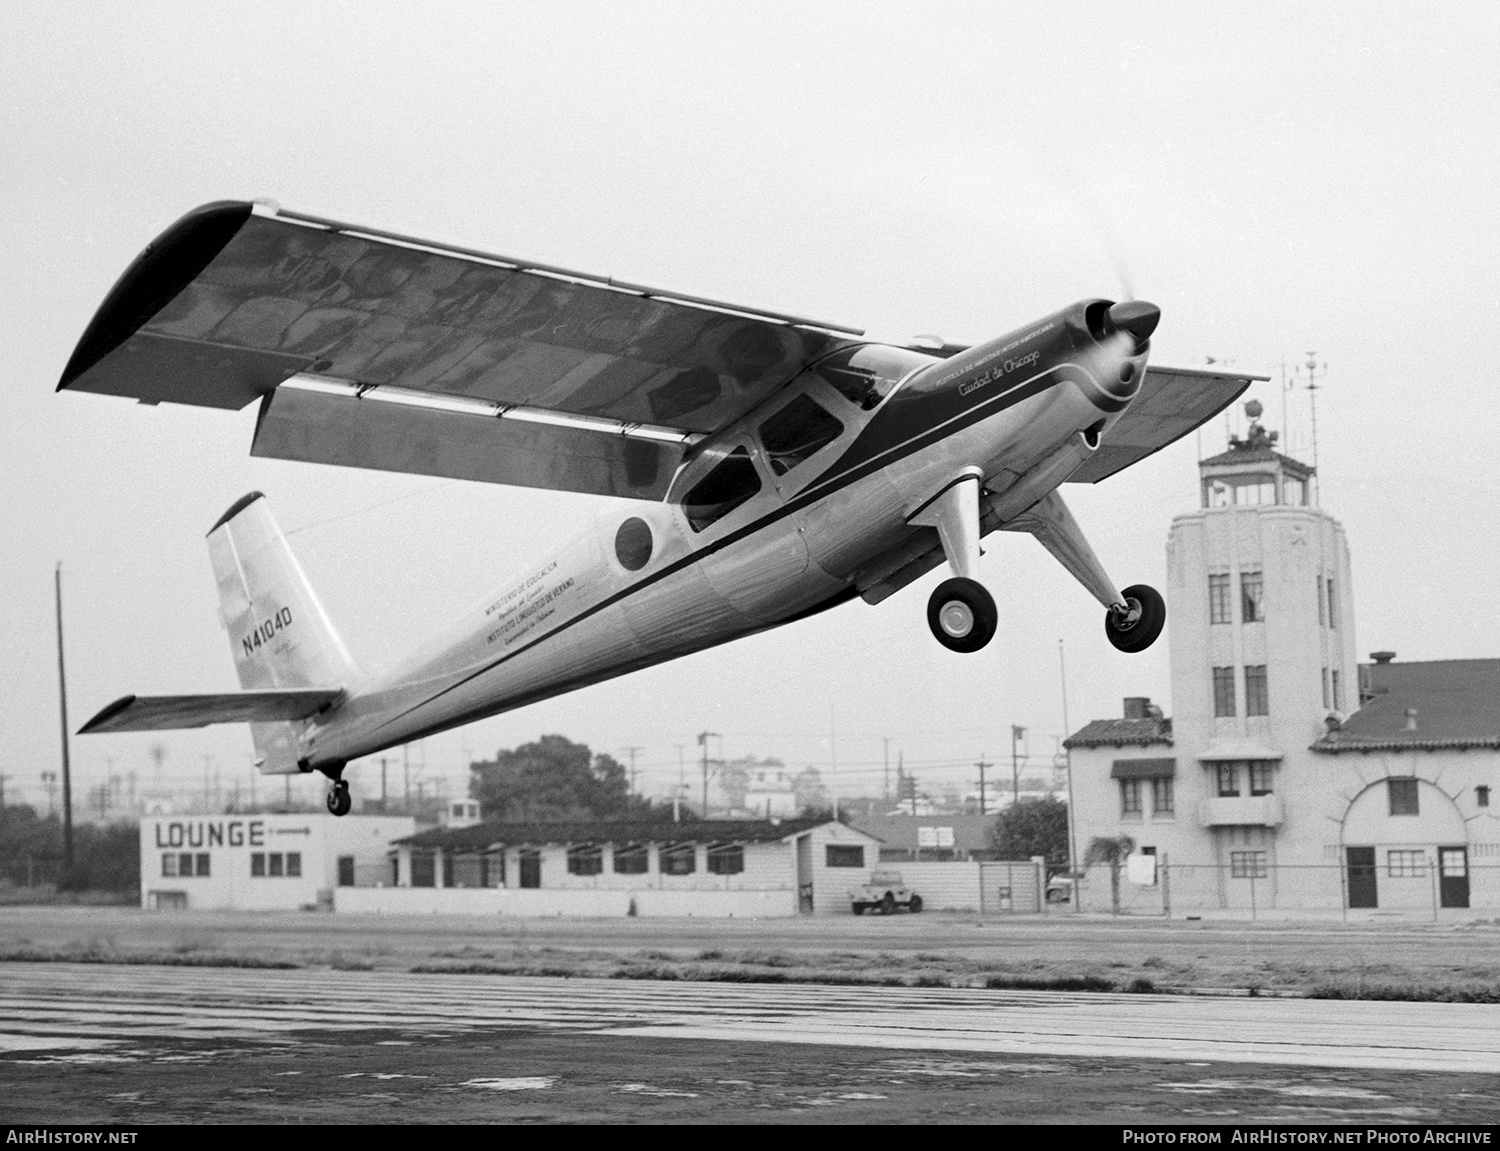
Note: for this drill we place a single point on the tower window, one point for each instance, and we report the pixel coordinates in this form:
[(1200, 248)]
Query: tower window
[(1260, 777), (1338, 691), (1482, 796), (1333, 605), (1322, 607), (1403, 796), (1218, 599), (1252, 597), (1327, 699), (1224, 691), (1256, 701), (1229, 780)]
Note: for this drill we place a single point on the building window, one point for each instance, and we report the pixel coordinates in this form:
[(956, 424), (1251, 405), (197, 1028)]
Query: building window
[(1130, 797), (275, 864), (1224, 691), (1322, 609), (1247, 864), (726, 859), (1218, 599), (1338, 692), (1333, 605), (423, 869), (1162, 800), (836, 856), (169, 866), (1403, 796), (1408, 864), (1260, 777), (1229, 779), (586, 860), (1482, 796), (346, 871), (258, 863), (631, 859), (679, 859), (202, 864), (1293, 491), (1327, 699), (1256, 701), (294, 864), (1252, 597)]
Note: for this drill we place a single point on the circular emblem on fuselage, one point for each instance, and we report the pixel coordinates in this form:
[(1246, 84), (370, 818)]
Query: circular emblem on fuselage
[(633, 544)]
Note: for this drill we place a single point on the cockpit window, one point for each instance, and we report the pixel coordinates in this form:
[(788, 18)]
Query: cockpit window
[(797, 431), (866, 375), (725, 488)]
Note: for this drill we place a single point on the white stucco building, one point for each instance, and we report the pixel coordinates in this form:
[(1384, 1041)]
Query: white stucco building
[(262, 862), (1288, 777)]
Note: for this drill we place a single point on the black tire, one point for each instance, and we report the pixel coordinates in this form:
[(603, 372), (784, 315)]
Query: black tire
[(962, 615), (1150, 612), (915, 905), (338, 800), (859, 909), (888, 904)]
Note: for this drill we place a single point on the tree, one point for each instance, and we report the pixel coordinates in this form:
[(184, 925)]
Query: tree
[(1031, 827), (553, 778), (1111, 851), (812, 796)]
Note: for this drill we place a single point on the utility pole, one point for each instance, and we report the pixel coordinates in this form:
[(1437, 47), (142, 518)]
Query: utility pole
[(886, 786), (62, 696), (703, 738), (1016, 734), (1062, 666), (630, 751), (981, 765), (382, 784)]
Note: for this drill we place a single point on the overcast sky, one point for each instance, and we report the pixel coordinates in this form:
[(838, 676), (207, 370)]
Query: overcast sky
[(1278, 178)]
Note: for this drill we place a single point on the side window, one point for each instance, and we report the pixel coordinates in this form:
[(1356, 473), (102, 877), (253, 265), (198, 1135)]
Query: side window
[(797, 431), (725, 488)]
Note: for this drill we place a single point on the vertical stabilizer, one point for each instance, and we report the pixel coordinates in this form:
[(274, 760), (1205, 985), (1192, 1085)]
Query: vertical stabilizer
[(278, 631)]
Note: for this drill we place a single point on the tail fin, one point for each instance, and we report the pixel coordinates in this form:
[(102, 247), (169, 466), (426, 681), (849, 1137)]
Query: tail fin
[(278, 631)]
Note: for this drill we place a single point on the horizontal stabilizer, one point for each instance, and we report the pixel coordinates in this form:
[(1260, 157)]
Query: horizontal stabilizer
[(162, 712)]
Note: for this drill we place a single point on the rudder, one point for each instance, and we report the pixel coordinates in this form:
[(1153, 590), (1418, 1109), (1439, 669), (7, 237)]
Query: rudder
[(279, 634)]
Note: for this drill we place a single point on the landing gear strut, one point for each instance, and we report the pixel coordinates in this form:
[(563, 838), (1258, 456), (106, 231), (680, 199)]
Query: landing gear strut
[(961, 613), (338, 798)]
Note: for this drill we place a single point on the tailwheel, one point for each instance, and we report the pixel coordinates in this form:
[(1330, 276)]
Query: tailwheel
[(1134, 625), (961, 614), (338, 798)]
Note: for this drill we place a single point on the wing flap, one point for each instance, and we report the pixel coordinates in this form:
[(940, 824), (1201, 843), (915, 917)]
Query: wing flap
[(168, 712), (1171, 403), (329, 427)]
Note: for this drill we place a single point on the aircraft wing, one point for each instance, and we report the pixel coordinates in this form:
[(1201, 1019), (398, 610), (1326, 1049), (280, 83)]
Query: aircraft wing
[(164, 712), (1171, 403), (372, 349)]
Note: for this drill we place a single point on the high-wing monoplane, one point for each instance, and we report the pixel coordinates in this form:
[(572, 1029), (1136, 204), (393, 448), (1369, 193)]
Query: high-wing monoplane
[(779, 466)]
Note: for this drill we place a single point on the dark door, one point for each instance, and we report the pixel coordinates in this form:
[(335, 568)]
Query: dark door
[(1453, 876), (1361, 876), (346, 871), (531, 869)]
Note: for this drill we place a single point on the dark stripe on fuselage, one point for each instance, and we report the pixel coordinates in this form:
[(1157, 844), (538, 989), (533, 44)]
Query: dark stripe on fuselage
[(853, 466)]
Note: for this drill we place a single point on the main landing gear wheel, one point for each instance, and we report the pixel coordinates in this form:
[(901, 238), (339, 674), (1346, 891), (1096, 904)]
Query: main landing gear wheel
[(338, 798), (1135, 626), (961, 614)]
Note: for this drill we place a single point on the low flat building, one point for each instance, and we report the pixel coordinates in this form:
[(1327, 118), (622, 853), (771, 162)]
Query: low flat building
[(600, 868), (262, 862)]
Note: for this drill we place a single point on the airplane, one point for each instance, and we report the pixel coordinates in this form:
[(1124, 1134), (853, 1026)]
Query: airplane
[(778, 466)]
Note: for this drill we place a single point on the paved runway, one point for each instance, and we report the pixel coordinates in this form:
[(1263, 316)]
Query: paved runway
[(81, 1005)]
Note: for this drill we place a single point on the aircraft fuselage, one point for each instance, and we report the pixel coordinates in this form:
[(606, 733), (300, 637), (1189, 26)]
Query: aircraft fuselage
[(803, 503)]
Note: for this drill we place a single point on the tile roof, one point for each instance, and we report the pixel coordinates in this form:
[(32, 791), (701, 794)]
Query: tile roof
[(1456, 701), (1121, 733), (1257, 456), (485, 835)]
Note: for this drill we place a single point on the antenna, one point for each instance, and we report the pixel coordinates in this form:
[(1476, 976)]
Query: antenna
[(1315, 370)]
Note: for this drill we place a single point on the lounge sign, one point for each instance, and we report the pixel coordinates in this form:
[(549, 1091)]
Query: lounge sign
[(211, 833)]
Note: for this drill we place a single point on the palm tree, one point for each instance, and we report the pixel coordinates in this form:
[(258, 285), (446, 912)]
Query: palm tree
[(1110, 850)]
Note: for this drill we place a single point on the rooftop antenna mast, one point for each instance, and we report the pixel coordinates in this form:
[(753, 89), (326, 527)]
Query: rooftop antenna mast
[(1315, 372)]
